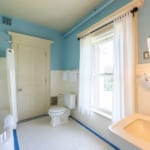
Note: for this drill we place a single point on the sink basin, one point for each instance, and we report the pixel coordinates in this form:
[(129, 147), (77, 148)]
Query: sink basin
[(134, 129), (139, 128)]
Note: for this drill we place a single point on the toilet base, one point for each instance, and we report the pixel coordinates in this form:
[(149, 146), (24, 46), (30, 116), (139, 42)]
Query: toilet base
[(59, 119)]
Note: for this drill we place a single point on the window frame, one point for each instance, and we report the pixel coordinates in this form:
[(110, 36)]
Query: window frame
[(97, 39)]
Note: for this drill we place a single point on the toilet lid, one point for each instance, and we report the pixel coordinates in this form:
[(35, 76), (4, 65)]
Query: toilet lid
[(57, 109)]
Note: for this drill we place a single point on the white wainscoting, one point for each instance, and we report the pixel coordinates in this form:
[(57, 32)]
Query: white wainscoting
[(61, 86), (58, 85), (143, 89), (56, 82)]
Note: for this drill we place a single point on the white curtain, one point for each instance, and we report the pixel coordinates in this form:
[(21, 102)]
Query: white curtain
[(124, 67), (85, 75), (12, 85)]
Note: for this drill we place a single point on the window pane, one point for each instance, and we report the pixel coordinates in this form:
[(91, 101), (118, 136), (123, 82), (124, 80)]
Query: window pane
[(106, 57), (102, 75), (108, 83), (105, 99)]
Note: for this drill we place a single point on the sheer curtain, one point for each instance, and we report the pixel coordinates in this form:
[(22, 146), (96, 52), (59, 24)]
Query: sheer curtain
[(124, 67), (12, 85), (85, 75)]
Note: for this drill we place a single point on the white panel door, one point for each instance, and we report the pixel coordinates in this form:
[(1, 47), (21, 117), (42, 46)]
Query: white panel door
[(33, 99), (32, 67), (32, 77)]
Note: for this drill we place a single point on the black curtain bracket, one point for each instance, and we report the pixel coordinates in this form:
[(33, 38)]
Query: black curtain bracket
[(134, 10)]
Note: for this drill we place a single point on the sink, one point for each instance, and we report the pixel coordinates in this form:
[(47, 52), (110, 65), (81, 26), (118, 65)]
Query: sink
[(134, 129), (139, 128)]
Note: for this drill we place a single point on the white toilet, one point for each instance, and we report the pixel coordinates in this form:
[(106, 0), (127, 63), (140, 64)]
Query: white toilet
[(59, 114)]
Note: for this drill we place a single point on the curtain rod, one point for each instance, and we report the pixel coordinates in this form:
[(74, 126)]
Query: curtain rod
[(133, 11)]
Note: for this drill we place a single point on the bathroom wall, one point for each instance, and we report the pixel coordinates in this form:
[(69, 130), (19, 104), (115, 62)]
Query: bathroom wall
[(144, 30), (71, 44), (4, 104), (143, 88), (71, 52), (24, 27), (56, 82), (61, 86)]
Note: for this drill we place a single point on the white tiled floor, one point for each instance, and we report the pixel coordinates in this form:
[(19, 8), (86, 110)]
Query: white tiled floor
[(39, 135)]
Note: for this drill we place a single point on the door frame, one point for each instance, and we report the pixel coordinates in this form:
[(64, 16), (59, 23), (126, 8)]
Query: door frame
[(17, 39)]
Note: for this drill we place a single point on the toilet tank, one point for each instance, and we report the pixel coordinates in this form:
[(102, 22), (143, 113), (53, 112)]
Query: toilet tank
[(70, 100)]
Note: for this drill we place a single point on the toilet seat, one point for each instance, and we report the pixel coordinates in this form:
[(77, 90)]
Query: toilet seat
[(56, 110)]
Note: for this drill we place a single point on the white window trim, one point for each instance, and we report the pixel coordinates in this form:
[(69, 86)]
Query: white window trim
[(101, 37), (101, 113)]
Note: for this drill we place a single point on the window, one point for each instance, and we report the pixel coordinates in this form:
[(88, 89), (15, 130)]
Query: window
[(102, 73), (107, 69)]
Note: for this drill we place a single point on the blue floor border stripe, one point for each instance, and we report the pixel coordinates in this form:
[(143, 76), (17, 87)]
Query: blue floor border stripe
[(95, 133), (16, 145)]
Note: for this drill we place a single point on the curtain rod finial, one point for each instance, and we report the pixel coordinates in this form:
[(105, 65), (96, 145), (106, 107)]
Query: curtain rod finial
[(135, 9)]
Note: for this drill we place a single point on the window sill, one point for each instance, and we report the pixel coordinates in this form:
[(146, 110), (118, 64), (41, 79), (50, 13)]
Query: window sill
[(101, 113)]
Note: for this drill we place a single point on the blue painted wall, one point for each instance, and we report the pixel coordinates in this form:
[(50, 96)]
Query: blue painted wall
[(24, 27), (144, 30), (65, 52), (71, 44)]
